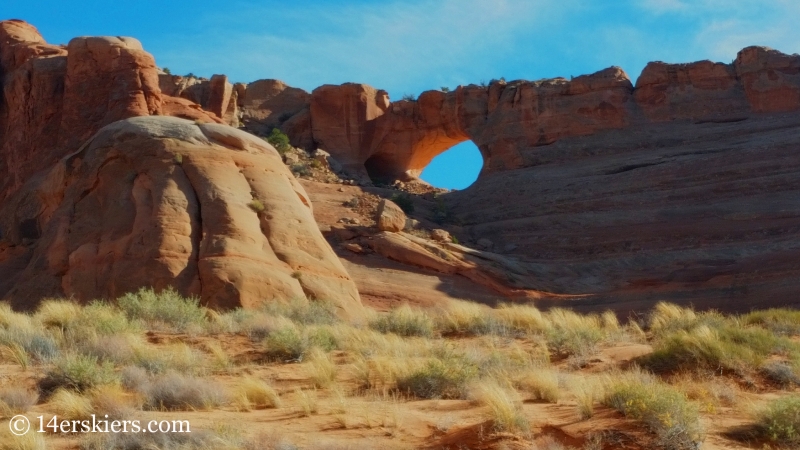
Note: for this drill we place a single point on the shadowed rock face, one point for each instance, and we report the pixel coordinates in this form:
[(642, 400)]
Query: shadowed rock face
[(160, 201)]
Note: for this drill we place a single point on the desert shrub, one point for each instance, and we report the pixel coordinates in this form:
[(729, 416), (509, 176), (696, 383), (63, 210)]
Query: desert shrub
[(16, 400), (505, 407), (408, 97), (286, 344), (780, 373), (173, 391), (303, 311), (179, 357), (279, 140), (780, 420), (257, 394), (119, 349), (134, 378), (301, 170), (165, 308), (404, 201), (256, 205), (77, 372), (405, 321), (665, 411), (439, 378), (100, 318)]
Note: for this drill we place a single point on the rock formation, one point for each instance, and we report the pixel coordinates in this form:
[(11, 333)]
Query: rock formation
[(93, 205), (54, 98), (509, 121), (160, 201)]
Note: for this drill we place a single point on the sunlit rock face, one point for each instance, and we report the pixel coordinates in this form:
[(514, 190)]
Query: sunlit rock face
[(159, 201)]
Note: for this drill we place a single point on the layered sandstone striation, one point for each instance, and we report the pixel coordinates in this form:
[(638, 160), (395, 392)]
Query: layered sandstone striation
[(160, 201)]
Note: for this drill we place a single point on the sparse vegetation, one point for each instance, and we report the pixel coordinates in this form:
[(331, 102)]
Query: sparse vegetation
[(405, 321), (257, 394), (408, 97), (439, 378), (404, 201), (256, 205), (779, 422), (279, 140), (161, 351), (173, 391), (165, 309), (666, 411), (505, 408)]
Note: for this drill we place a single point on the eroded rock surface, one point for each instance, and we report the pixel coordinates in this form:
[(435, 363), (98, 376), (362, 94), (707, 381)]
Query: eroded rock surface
[(161, 201)]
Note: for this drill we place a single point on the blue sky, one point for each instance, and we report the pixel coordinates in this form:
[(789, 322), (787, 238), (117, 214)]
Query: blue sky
[(408, 46)]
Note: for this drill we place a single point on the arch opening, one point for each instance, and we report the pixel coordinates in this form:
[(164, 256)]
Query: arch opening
[(455, 168)]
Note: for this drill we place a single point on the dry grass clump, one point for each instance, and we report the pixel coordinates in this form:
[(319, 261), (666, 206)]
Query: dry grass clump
[(22, 340), (307, 401), (724, 348), (58, 313), (779, 422), (77, 372), (71, 405), (466, 318), (782, 321), (177, 356), (321, 368), (405, 321), (176, 392), (114, 401), (666, 411), (541, 384), (28, 441), (221, 439), (505, 407), (16, 400), (253, 393), (572, 334), (439, 378), (523, 319)]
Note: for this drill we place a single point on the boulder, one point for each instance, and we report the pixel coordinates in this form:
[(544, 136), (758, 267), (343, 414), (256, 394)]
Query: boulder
[(390, 217), (158, 201), (440, 235)]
